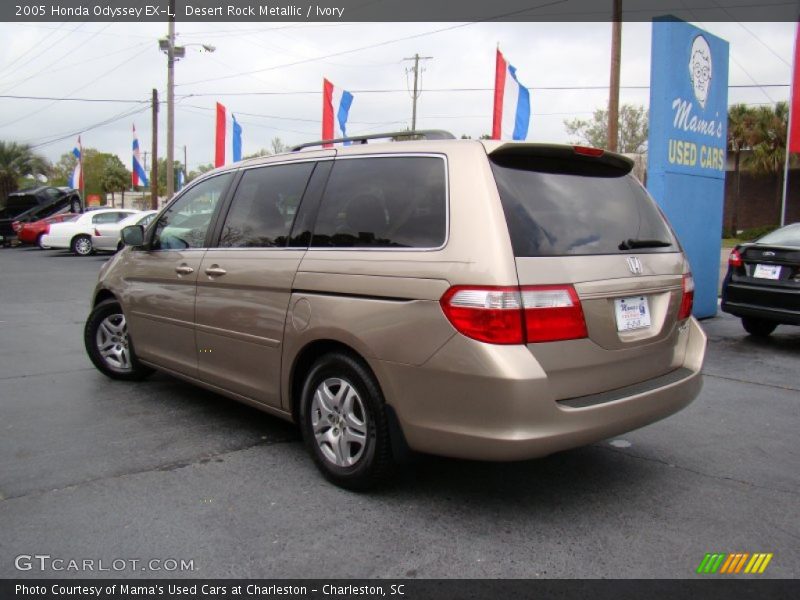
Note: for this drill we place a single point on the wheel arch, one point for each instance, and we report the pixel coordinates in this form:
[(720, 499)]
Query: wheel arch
[(103, 295), (303, 362), (79, 235), (306, 357)]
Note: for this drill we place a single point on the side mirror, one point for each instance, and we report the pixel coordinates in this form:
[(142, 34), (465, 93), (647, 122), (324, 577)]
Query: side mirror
[(133, 235)]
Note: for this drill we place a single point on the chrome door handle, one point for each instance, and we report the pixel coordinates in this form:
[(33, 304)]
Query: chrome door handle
[(184, 270), (215, 271)]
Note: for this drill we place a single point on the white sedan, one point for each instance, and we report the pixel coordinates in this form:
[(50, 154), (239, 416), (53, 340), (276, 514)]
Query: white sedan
[(77, 235), (107, 236)]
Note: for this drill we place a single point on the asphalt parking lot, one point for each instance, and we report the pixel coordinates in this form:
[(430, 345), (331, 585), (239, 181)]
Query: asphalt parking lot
[(96, 469)]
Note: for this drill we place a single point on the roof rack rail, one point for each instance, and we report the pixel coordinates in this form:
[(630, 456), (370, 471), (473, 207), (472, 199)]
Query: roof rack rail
[(426, 134)]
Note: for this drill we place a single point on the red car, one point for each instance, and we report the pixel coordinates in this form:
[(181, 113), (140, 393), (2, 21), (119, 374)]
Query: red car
[(31, 233)]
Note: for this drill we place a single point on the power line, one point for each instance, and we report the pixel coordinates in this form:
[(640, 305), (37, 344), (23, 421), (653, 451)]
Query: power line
[(38, 110), (77, 63), (63, 136), (360, 91), (63, 99), (376, 45), (756, 37), (7, 68)]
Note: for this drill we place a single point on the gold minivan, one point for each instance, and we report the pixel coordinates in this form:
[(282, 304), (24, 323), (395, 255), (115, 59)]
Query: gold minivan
[(477, 299)]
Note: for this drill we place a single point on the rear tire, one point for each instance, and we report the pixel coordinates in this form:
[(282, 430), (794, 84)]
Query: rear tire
[(758, 327), (108, 344), (344, 424), (82, 245)]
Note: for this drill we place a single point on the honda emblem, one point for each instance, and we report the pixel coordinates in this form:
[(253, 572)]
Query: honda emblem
[(634, 264)]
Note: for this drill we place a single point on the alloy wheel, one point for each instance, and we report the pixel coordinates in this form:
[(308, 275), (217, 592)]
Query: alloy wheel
[(339, 422), (112, 342)]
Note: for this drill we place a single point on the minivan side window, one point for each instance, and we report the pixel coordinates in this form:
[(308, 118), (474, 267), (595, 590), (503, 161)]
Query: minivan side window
[(185, 223), (264, 206), (384, 202)]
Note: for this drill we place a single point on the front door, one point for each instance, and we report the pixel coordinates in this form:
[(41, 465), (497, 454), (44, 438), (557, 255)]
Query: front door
[(161, 288), (245, 283)]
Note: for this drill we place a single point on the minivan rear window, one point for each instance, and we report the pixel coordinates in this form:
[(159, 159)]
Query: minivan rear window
[(566, 208)]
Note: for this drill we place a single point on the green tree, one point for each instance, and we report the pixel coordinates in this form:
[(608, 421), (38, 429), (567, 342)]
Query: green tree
[(18, 161), (195, 173), (278, 147), (115, 178), (94, 163), (162, 173), (63, 169), (632, 135), (257, 154), (769, 144), (742, 136)]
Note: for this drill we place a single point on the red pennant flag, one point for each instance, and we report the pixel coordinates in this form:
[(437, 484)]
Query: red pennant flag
[(219, 154), (500, 68), (327, 111), (794, 117)]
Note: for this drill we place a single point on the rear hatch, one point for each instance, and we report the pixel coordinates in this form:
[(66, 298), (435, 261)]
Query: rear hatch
[(579, 220)]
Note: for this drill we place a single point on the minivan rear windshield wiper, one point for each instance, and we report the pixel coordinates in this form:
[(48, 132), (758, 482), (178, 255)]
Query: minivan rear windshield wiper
[(631, 244)]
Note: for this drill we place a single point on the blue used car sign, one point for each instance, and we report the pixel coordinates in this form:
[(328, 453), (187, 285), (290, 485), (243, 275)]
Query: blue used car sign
[(687, 144)]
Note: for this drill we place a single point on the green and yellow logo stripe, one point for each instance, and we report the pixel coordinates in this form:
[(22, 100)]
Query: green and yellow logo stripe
[(734, 563)]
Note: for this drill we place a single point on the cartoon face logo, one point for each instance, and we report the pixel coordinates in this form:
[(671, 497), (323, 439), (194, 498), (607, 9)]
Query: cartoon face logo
[(700, 69)]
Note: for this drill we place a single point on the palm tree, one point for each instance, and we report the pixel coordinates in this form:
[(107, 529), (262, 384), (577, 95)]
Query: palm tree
[(17, 160), (741, 136), (769, 153)]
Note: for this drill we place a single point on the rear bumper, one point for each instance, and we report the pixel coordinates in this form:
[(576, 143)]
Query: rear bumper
[(54, 242), (498, 407), (781, 305)]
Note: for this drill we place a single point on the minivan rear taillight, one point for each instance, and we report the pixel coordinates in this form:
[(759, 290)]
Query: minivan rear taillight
[(515, 315), (687, 297), (552, 312)]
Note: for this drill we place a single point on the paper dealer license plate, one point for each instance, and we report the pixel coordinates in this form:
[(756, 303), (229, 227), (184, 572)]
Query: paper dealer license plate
[(767, 272), (632, 313)]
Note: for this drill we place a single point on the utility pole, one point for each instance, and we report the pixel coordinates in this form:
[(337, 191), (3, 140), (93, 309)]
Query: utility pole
[(416, 58), (185, 166), (613, 92), (154, 170), (171, 103)]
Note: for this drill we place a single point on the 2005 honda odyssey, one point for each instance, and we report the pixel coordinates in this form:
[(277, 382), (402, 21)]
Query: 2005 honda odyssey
[(475, 299)]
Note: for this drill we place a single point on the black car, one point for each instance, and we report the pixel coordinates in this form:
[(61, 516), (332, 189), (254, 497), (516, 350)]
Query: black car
[(34, 204), (763, 281)]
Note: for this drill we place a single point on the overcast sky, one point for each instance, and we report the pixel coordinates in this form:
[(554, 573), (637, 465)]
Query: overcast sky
[(122, 61)]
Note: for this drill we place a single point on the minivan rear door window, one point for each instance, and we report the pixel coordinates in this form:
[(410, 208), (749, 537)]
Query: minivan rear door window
[(560, 207)]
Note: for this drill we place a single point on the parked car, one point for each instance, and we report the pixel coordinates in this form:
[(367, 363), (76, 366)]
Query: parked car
[(31, 233), (477, 299), (77, 235), (762, 285), (106, 236), (34, 204)]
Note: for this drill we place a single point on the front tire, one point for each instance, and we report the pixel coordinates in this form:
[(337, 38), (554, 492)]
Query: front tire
[(109, 345), (344, 424), (758, 327), (82, 245)]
